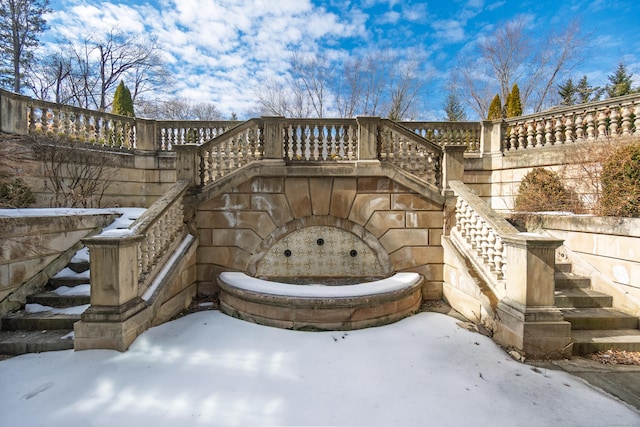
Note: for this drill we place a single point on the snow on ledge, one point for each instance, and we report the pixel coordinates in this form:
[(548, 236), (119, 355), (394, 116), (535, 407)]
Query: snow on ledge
[(394, 283)]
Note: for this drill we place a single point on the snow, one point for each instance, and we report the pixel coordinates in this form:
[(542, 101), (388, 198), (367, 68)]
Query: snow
[(168, 265), (210, 369), (247, 283), (81, 256), (70, 274), (120, 227), (39, 308), (83, 290)]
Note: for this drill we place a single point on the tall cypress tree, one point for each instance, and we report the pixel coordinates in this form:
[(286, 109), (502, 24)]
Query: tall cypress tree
[(514, 105), (122, 102), (495, 109)]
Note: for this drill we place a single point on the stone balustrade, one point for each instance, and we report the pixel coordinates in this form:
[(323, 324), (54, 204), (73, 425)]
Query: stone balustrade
[(596, 121), (320, 139), (449, 133), (411, 152), (173, 132)]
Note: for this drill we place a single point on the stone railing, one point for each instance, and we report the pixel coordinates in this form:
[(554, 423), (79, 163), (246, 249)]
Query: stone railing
[(125, 262), (171, 133), (320, 139), (498, 251), (411, 152), (449, 133), (519, 270), (596, 121)]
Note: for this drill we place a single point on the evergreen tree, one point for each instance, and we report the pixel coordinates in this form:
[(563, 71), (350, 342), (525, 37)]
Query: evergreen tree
[(514, 105), (234, 116), (495, 109), (453, 109), (122, 102), (568, 92), (20, 23), (620, 82), (587, 93)]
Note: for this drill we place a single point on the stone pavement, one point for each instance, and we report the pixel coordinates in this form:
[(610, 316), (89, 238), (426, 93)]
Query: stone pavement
[(621, 381)]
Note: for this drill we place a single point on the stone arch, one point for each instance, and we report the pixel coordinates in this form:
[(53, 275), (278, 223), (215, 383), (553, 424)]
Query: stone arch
[(321, 246)]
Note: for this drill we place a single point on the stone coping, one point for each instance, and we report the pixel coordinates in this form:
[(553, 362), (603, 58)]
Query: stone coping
[(397, 282)]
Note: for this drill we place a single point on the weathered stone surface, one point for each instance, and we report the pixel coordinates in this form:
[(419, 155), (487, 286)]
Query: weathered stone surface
[(381, 221), (260, 222), (227, 202), (398, 238), (413, 202), (365, 205), (344, 192), (320, 190), (241, 237), (424, 219), (411, 256), (297, 192)]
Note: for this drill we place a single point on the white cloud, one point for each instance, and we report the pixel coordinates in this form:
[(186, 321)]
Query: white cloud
[(449, 30)]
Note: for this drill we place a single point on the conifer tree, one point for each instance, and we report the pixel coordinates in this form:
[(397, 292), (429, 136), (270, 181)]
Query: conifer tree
[(514, 105), (122, 102), (620, 82), (495, 109), (568, 93)]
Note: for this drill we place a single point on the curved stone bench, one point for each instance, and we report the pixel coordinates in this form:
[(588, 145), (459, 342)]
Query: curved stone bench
[(317, 307)]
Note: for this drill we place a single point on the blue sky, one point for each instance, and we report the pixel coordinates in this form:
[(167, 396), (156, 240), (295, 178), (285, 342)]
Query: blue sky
[(221, 50)]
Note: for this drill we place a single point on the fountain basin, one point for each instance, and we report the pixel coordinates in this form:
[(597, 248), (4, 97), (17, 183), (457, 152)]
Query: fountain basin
[(318, 307)]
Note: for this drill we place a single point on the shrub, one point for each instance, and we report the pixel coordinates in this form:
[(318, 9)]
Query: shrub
[(620, 181), (541, 190), (14, 193)]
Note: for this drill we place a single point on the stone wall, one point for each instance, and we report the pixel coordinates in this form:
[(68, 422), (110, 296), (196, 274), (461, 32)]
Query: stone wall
[(402, 229), (34, 248), (135, 178), (607, 250)]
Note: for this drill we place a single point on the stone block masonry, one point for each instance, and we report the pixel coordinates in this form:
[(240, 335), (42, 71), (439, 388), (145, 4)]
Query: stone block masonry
[(374, 222)]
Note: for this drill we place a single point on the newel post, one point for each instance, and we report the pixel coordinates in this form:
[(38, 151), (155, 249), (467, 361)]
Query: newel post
[(13, 113), (452, 166), (273, 137), (491, 137), (187, 163), (115, 304), (146, 138), (528, 318), (368, 137)]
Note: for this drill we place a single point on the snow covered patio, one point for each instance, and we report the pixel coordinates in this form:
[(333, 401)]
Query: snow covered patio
[(210, 369)]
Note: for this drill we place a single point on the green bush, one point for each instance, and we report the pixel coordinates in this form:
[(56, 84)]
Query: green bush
[(541, 190), (14, 193), (620, 181)]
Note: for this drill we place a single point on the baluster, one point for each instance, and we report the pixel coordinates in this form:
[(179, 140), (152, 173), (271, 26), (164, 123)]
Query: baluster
[(539, 134), (468, 214), (579, 128), (484, 244), (478, 236), (334, 132), (521, 136), (590, 127), (459, 215), (548, 132), (530, 135), (499, 257), (626, 121), (491, 252), (471, 234), (317, 141), (513, 139), (558, 129), (300, 136), (636, 123), (602, 125), (568, 129), (613, 122)]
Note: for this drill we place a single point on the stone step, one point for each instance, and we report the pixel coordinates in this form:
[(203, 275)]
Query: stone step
[(22, 342), (564, 267), (590, 341), (571, 281), (581, 298), (68, 277), (598, 318), (52, 299), (41, 321), (79, 266)]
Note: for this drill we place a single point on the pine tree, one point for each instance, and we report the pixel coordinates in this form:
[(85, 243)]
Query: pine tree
[(122, 102), (453, 109), (587, 93), (620, 82), (20, 23), (568, 92), (514, 105), (495, 109)]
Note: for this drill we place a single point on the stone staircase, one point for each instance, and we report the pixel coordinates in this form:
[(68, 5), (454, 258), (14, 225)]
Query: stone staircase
[(46, 322), (595, 325)]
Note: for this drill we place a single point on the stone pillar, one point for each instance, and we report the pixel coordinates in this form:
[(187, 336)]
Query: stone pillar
[(492, 136), (146, 136), (527, 317), (452, 166), (368, 137), (273, 137), (117, 313), (187, 163), (13, 113)]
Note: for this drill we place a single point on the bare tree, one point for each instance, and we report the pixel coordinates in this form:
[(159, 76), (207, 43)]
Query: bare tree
[(47, 78), (511, 55), (20, 22), (178, 109)]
